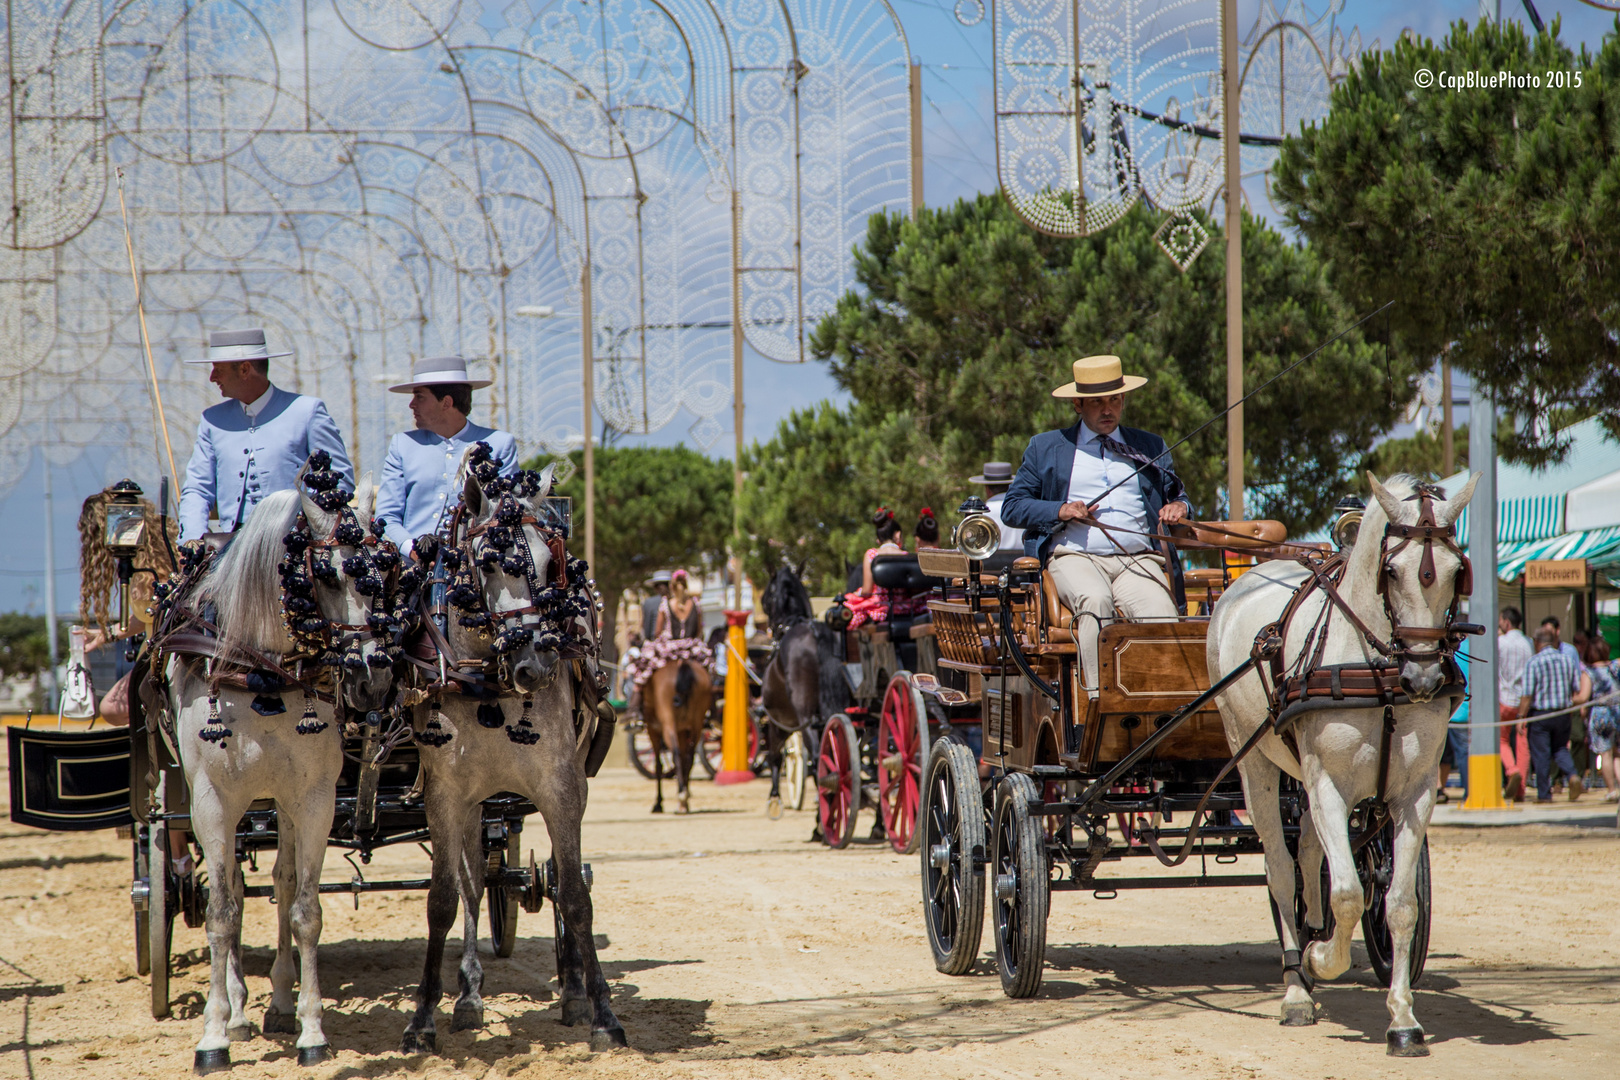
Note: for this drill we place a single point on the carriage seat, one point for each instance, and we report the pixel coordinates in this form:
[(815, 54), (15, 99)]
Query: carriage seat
[(1233, 535)]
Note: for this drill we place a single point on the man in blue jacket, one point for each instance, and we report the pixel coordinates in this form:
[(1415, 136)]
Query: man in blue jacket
[(418, 486), (1087, 495), (254, 443)]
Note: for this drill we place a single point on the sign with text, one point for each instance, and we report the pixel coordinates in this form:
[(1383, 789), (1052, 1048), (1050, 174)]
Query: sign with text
[(1555, 574)]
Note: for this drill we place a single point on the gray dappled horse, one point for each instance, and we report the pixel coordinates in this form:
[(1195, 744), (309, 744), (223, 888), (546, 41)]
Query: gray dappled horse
[(523, 742), (238, 756), (1339, 749)]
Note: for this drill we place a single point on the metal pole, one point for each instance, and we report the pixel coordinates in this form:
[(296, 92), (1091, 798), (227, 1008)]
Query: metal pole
[(588, 362), (916, 139), (737, 399), (1484, 760), (1447, 458), (1234, 258), (50, 580)]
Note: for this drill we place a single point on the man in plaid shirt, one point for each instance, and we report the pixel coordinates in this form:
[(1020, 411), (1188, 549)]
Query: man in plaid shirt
[(1552, 682)]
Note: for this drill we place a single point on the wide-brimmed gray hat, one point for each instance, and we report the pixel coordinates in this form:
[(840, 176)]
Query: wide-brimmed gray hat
[(660, 577), (234, 346), (437, 371), (995, 472)]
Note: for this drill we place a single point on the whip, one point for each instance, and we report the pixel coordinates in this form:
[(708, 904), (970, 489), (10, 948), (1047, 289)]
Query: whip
[(146, 342)]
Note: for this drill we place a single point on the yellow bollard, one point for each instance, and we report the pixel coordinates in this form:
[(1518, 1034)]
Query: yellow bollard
[(734, 766), (1484, 782)]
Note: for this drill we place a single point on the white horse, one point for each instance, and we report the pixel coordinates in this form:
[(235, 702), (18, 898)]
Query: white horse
[(265, 757), (523, 742), (1339, 749)]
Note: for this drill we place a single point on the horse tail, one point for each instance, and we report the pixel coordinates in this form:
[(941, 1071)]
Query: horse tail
[(683, 684)]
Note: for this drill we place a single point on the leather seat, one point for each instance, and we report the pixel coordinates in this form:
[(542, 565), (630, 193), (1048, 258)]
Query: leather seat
[(1055, 614)]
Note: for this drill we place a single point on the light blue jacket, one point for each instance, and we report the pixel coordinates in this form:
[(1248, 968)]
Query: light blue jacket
[(236, 463), (419, 478)]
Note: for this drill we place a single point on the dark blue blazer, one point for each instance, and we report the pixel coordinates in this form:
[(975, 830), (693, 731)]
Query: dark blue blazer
[(1041, 488)]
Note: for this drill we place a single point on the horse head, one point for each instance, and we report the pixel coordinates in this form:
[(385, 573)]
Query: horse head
[(1421, 576), (510, 558), (350, 571), (786, 598)]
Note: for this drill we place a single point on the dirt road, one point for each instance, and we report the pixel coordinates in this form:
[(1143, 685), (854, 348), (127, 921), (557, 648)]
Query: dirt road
[(735, 949)]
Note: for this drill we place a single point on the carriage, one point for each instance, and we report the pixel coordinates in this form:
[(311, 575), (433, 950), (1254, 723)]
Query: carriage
[(1060, 787)]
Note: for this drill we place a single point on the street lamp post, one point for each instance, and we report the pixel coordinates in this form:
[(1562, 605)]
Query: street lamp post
[(587, 360)]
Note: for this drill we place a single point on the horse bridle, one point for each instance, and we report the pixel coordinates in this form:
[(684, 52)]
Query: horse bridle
[(341, 638), (1427, 532), (507, 514)]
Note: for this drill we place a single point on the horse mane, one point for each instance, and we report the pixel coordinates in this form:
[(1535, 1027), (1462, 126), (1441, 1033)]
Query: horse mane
[(786, 600), (244, 584)]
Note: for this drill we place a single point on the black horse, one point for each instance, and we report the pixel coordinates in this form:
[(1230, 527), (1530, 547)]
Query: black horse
[(804, 682)]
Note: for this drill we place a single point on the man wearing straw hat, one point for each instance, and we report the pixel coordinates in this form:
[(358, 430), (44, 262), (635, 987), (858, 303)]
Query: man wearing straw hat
[(1087, 496), (253, 444), (418, 479)]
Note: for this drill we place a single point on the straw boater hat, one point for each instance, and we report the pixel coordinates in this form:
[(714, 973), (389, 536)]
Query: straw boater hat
[(437, 371), (995, 473), (1099, 376), (234, 346)]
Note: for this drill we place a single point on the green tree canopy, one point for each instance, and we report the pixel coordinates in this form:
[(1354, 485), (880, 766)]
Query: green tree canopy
[(1488, 215), (25, 648), (965, 321), (656, 507)]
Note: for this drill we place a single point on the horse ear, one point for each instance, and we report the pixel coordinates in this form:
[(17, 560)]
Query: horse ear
[(365, 498), (548, 476), (1453, 507), (798, 568), (472, 495), (1391, 505)]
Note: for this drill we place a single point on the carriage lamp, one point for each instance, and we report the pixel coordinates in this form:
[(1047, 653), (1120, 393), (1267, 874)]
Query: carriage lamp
[(126, 527), (977, 535), (1347, 521)]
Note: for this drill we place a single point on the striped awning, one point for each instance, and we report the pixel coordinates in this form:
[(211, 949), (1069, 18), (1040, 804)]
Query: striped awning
[(1598, 546), (1524, 520)]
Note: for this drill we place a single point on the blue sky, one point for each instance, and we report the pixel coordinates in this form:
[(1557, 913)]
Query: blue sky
[(959, 161)]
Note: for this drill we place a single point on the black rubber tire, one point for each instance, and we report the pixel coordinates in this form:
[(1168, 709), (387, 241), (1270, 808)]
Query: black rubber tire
[(143, 942), (504, 902), (636, 746), (160, 915), (952, 818), (1374, 924), (1300, 928), (1018, 856)]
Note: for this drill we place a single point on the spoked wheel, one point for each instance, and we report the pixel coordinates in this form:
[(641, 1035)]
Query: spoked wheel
[(141, 890), (504, 901), (902, 751), (838, 781), (1375, 861), (951, 826), (642, 756), (1021, 888), (795, 765), (710, 752), (162, 902)]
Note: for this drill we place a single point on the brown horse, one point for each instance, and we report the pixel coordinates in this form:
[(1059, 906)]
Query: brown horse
[(680, 693)]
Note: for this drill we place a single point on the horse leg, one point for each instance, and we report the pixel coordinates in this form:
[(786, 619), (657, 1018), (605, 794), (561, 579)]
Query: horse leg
[(1405, 1035), (214, 822), (446, 822), (774, 738), (1330, 817), (238, 1026), (312, 822), (658, 769), (280, 1017), (686, 737), (469, 1011), (1260, 787)]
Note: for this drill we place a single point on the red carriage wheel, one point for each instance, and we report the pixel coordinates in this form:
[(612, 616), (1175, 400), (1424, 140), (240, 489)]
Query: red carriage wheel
[(838, 781), (902, 750)]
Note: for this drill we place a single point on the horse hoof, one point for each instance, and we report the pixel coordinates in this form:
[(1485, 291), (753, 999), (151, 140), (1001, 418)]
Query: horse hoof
[(575, 1011), (467, 1018), (281, 1023), (683, 808), (313, 1055), (658, 808), (239, 1034), (419, 1042), (1406, 1042), (773, 809), (211, 1061), (1298, 1014), (608, 1038)]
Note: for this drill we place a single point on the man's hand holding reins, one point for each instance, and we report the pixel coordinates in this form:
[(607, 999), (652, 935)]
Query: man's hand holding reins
[(1171, 513), (1078, 511)]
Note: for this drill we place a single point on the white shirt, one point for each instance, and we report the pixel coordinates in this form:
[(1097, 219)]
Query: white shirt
[(1513, 652), (1011, 539), (1095, 471), (256, 406)]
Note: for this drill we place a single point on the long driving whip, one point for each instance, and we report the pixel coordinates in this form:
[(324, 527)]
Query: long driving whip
[(146, 342)]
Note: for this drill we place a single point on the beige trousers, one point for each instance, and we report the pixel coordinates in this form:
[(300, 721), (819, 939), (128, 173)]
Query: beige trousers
[(1102, 589)]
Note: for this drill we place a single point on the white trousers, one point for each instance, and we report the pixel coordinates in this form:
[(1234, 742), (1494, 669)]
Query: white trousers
[(1101, 589)]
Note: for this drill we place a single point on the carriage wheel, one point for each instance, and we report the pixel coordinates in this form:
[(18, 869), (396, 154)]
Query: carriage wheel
[(838, 781), (1372, 860), (641, 754), (902, 752), (709, 747), (795, 764), (952, 830), (504, 901), (1021, 888), (161, 903), (142, 881)]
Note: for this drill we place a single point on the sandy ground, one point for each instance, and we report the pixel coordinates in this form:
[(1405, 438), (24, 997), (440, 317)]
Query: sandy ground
[(736, 949)]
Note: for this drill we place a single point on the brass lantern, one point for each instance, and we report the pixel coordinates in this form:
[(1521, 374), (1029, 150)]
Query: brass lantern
[(977, 535), (126, 527)]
